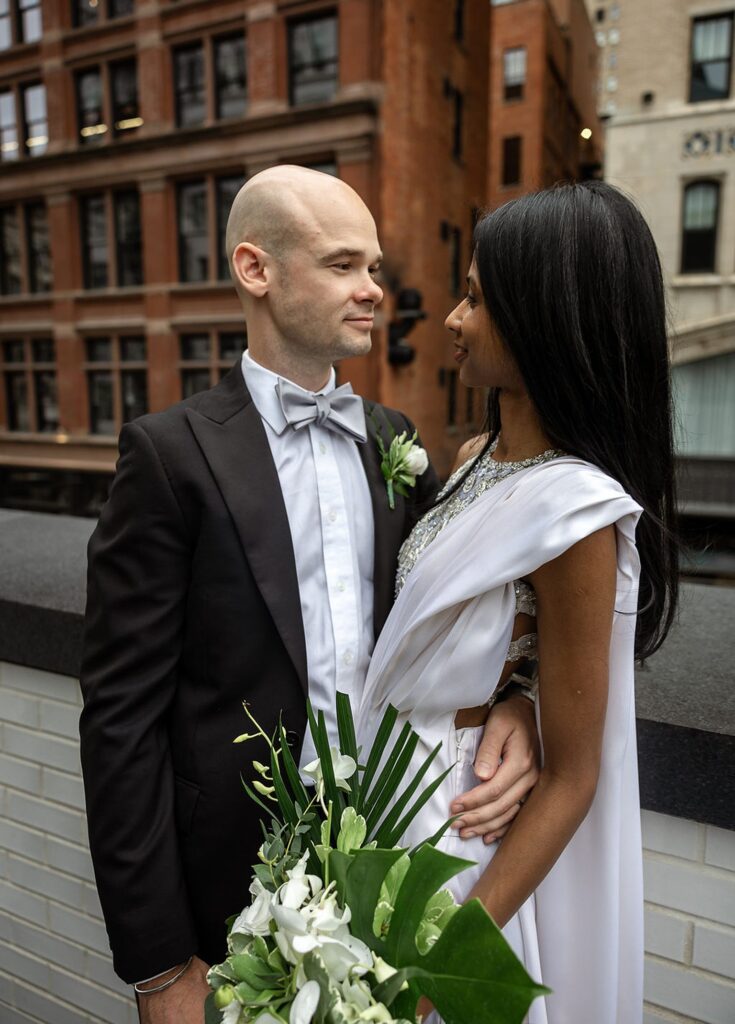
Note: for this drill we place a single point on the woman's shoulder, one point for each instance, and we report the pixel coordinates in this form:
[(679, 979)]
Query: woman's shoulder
[(469, 450), (572, 481)]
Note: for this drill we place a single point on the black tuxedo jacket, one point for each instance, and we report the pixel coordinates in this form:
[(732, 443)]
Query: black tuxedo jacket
[(193, 607)]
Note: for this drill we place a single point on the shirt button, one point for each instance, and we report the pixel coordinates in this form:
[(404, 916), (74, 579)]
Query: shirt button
[(332, 517), (341, 586), (322, 447), (347, 657)]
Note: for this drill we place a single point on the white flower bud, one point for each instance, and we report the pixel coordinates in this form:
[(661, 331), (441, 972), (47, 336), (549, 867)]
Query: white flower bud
[(416, 461)]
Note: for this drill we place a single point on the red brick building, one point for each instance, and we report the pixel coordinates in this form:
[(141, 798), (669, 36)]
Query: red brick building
[(126, 126), (542, 96)]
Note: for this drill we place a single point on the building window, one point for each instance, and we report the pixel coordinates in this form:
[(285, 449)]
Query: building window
[(118, 213), (711, 58), (10, 256), (313, 60), (8, 127), (200, 255), (89, 12), (90, 112), (514, 73), (190, 85), (20, 22), (193, 241), (94, 241), (35, 119), (30, 20), (117, 386), (39, 249), (230, 76), (226, 190), (206, 356), (120, 8), (124, 87), (511, 160), (459, 13), (128, 238), (699, 234), (457, 124), (29, 371), (455, 261)]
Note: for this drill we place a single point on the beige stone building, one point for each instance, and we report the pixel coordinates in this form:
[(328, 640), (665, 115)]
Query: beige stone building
[(667, 98)]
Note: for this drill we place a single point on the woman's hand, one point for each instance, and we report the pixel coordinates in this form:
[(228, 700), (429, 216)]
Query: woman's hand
[(510, 736)]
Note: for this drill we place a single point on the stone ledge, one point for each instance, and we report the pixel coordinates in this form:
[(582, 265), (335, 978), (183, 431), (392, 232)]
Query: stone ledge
[(685, 702)]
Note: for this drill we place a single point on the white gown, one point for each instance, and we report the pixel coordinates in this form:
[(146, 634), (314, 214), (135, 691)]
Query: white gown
[(443, 648)]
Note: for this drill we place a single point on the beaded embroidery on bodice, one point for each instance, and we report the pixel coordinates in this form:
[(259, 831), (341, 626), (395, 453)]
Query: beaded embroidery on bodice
[(485, 473)]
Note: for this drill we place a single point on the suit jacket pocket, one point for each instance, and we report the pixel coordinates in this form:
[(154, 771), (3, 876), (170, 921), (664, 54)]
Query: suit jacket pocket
[(186, 800)]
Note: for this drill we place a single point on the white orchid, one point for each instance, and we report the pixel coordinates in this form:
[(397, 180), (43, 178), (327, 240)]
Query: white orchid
[(302, 1010), (321, 926), (255, 919), (343, 766), (231, 1013), (300, 887)]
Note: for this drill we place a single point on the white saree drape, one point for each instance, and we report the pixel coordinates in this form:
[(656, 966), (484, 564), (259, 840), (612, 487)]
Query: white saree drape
[(444, 646)]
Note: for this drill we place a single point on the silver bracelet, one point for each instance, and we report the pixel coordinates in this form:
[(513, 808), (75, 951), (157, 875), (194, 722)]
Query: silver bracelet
[(160, 988)]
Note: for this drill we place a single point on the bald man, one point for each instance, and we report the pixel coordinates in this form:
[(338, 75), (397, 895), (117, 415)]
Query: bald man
[(247, 552)]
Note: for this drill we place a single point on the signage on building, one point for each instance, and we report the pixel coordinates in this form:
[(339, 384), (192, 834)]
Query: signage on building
[(717, 142)]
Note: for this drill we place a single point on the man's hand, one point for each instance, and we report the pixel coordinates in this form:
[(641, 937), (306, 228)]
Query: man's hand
[(182, 1002), (510, 734)]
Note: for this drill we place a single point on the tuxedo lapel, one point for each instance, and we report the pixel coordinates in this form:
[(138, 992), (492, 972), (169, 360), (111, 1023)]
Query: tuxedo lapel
[(230, 433), (388, 522)]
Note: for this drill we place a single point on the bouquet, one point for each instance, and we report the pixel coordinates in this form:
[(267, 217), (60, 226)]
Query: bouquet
[(345, 926)]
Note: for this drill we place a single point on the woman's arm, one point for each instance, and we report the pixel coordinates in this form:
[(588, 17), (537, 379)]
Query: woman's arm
[(575, 604)]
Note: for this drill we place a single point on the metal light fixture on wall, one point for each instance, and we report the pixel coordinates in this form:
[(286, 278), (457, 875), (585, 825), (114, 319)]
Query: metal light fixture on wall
[(406, 315)]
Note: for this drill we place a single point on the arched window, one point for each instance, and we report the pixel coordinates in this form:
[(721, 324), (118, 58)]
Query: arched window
[(699, 227)]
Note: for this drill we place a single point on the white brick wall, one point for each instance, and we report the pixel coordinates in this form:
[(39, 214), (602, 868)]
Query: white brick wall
[(55, 966), (689, 877)]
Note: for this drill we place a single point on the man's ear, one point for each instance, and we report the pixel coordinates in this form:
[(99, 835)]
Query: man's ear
[(251, 267)]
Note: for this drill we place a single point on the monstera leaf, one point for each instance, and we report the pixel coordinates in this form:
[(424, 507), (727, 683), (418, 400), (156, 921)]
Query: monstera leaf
[(466, 988)]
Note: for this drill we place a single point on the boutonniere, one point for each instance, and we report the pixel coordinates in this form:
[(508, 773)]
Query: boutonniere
[(401, 463)]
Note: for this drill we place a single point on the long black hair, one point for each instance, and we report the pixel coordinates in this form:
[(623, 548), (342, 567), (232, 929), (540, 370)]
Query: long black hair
[(571, 278)]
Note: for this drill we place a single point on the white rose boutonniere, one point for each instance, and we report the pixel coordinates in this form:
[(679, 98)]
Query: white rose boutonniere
[(401, 463)]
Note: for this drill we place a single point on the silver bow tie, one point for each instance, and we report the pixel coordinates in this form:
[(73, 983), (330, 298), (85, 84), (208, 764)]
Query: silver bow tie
[(340, 410)]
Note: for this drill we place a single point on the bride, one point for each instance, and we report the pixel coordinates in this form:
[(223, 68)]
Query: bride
[(552, 540)]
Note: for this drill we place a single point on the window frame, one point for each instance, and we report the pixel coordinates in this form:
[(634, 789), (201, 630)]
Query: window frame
[(24, 121), (21, 212), (728, 15), (323, 14), (29, 369), (508, 86), (216, 41), (103, 14), (518, 180), (109, 197), (715, 231), (215, 364), (216, 261), (116, 367)]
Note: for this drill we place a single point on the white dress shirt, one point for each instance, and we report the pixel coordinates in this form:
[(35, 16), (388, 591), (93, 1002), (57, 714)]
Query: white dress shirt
[(330, 515)]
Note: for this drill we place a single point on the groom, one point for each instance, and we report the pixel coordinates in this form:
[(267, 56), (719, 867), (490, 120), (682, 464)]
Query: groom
[(247, 551)]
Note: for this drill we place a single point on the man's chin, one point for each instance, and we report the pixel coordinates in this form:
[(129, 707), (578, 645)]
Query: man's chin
[(351, 347)]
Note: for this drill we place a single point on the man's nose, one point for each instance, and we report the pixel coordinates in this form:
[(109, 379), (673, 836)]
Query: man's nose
[(370, 291)]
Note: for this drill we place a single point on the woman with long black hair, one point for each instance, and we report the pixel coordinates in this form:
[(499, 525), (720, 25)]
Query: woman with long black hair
[(553, 539)]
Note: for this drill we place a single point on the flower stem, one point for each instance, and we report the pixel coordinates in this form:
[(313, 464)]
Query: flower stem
[(391, 496)]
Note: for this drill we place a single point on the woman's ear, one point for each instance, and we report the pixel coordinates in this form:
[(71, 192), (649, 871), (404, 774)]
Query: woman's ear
[(250, 268)]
